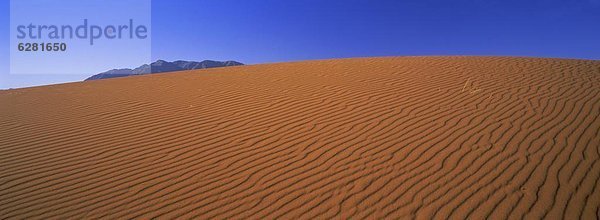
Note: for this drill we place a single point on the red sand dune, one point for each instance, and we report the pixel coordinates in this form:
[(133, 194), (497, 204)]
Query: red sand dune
[(405, 137)]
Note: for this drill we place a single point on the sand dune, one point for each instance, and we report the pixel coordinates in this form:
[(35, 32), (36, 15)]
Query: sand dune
[(406, 137)]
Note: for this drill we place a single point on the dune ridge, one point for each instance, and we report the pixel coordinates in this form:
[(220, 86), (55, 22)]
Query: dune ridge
[(395, 137)]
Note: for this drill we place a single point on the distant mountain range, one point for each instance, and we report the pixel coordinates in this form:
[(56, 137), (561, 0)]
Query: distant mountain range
[(162, 66)]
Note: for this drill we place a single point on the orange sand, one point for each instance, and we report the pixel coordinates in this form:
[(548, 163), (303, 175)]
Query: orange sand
[(405, 137)]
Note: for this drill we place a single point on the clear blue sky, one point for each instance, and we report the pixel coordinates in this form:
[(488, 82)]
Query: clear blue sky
[(264, 31)]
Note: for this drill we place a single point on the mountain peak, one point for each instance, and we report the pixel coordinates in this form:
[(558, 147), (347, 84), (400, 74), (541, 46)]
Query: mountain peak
[(161, 66)]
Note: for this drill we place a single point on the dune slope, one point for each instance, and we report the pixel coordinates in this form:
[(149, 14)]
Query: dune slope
[(405, 137)]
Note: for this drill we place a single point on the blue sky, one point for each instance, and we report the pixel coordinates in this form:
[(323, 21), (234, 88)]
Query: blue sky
[(264, 31)]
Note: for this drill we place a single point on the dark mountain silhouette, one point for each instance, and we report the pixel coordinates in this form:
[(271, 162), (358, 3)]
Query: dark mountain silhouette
[(162, 66)]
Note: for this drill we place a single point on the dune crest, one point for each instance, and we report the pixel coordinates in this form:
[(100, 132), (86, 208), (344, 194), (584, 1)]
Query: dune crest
[(399, 137)]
